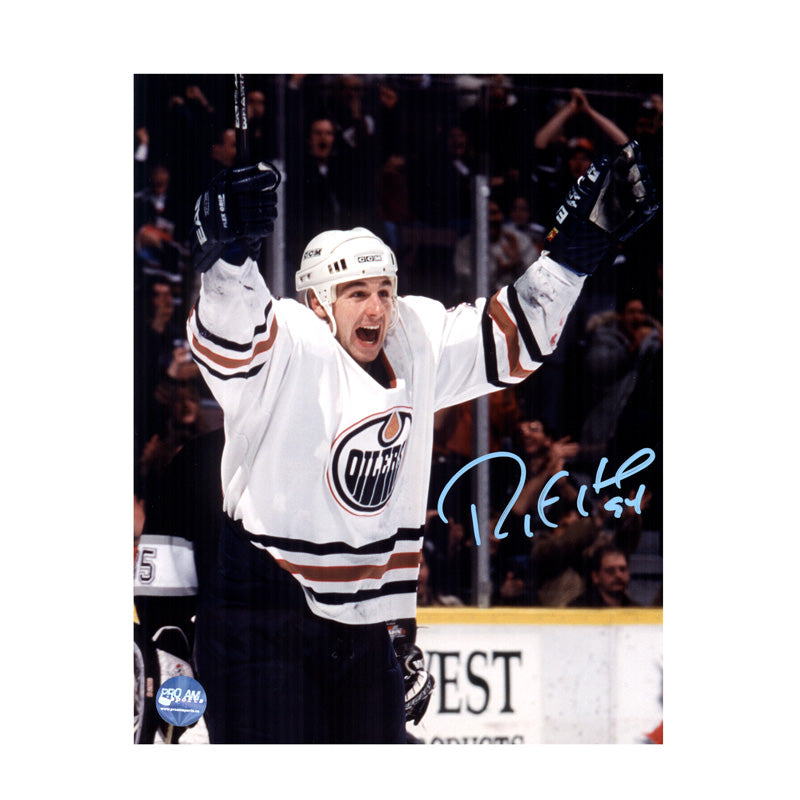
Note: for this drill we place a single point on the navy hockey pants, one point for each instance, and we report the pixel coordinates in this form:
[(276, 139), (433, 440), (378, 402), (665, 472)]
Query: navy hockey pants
[(274, 672)]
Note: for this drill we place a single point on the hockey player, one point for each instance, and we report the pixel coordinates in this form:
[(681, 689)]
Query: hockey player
[(328, 410)]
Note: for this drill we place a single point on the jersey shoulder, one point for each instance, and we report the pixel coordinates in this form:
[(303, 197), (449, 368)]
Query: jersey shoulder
[(419, 313), (303, 327)]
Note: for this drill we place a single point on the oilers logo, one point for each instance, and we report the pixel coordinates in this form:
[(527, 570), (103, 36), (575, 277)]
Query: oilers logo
[(366, 461)]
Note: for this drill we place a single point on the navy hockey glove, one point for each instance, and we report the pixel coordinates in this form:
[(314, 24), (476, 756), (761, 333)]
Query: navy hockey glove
[(607, 205), (234, 215), (418, 682)]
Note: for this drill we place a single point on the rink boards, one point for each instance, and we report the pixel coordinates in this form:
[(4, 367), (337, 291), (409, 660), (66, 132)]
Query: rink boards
[(531, 676)]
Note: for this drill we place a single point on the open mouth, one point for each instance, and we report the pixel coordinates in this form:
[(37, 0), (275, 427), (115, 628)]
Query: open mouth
[(368, 334)]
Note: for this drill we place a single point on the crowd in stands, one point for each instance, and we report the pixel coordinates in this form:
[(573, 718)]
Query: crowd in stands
[(397, 154)]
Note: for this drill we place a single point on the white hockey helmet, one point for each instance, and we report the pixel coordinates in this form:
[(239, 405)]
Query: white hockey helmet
[(336, 257)]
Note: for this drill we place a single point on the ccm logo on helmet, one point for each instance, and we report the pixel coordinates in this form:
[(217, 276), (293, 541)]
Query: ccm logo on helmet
[(311, 253), (366, 461), (369, 259)]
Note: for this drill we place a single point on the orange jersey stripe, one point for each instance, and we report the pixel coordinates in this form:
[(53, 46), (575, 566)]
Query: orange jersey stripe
[(509, 329), (233, 363), (351, 573)]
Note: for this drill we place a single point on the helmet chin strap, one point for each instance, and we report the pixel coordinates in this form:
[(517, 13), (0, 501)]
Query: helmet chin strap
[(327, 308)]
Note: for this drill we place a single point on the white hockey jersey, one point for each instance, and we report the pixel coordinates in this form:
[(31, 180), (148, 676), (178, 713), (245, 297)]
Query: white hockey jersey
[(326, 469)]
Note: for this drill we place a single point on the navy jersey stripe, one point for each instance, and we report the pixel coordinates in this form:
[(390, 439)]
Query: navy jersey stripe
[(331, 548), (226, 343), (524, 328), (490, 351), (342, 598)]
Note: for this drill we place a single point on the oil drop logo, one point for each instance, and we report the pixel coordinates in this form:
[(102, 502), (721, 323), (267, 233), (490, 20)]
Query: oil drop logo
[(366, 460)]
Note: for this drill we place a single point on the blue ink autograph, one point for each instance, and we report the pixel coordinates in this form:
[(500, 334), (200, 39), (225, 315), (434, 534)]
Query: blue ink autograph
[(629, 467)]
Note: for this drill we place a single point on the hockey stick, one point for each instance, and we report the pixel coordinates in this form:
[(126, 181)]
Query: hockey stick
[(240, 119)]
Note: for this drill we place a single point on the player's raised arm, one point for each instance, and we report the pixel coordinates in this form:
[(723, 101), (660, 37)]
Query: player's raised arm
[(522, 323), (607, 205), (232, 324)]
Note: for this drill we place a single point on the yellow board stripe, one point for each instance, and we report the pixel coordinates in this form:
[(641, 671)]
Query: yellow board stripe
[(539, 616)]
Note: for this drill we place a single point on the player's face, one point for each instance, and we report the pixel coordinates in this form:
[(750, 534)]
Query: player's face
[(363, 311)]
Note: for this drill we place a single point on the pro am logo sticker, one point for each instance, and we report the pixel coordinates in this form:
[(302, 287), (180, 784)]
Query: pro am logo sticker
[(181, 701), (366, 461)]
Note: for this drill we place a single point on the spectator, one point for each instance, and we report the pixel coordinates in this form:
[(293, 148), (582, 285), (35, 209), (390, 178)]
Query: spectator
[(548, 568), (650, 119), (182, 422), (156, 253), (643, 256), (141, 155), (317, 200), (495, 126), (622, 347), (552, 132), (260, 136), (554, 571), (160, 221), (441, 187), (182, 415), (189, 122), (452, 448), (223, 150), (544, 456), (450, 555), (217, 155), (550, 573), (450, 552), (425, 595), (356, 124), (139, 513), (510, 253), (154, 205), (648, 130), (393, 199), (157, 332), (359, 150), (391, 122), (444, 576), (559, 159), (520, 219), (609, 579), (557, 556)]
